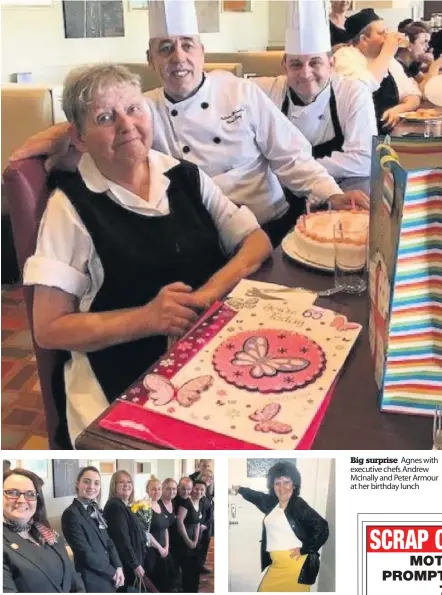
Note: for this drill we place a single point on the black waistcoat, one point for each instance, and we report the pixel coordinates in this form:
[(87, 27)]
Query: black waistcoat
[(140, 255), (384, 98), (334, 144)]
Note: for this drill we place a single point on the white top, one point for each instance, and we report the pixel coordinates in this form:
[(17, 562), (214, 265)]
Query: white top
[(279, 534), (65, 257), (350, 62), (242, 141), (354, 104)]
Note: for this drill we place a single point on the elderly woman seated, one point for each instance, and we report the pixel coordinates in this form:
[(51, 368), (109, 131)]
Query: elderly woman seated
[(132, 246)]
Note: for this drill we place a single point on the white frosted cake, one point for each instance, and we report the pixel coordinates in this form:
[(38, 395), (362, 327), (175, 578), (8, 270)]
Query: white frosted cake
[(313, 237)]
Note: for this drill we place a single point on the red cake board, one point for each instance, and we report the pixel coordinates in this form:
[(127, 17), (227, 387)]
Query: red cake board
[(166, 432)]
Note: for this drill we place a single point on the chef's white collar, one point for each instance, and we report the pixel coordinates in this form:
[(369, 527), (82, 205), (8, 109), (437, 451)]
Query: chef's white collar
[(200, 93), (159, 164), (321, 99)]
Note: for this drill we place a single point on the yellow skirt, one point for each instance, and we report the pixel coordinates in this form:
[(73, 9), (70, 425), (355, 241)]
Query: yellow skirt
[(283, 573)]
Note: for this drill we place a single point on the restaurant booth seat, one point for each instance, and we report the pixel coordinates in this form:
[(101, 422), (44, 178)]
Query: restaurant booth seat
[(253, 63), (26, 110), (25, 183), (55, 522)]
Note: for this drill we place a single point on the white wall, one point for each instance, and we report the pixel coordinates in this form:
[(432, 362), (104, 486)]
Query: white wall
[(34, 38)]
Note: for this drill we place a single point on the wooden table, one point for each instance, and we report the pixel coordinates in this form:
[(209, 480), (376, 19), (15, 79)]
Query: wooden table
[(405, 127), (353, 420)]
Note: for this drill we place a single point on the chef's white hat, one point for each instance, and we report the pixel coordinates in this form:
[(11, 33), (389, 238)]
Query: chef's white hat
[(308, 29), (172, 17)]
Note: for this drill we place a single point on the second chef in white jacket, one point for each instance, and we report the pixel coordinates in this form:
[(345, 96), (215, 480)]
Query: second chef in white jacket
[(334, 113)]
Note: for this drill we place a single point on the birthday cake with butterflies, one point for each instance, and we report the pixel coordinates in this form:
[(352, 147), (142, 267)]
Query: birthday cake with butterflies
[(314, 236)]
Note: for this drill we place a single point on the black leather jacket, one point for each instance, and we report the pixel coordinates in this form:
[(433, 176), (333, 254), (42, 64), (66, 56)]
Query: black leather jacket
[(308, 526)]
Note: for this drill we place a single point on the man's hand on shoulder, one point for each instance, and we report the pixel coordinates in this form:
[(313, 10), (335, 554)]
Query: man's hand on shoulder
[(55, 142)]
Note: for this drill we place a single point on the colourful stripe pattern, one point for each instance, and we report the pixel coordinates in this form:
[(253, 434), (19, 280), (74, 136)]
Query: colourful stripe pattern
[(413, 379)]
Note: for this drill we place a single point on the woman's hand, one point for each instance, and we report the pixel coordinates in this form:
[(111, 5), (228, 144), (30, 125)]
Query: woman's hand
[(295, 553), (193, 544), (234, 490), (139, 571), (392, 116), (203, 299), (172, 311), (162, 551), (119, 578), (349, 200)]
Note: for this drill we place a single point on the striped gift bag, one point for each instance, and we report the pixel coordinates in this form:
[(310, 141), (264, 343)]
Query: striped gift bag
[(405, 273)]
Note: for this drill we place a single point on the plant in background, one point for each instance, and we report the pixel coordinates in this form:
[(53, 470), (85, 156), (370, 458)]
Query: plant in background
[(143, 510)]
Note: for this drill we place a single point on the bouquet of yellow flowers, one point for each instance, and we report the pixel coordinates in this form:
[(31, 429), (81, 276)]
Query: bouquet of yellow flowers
[(143, 510)]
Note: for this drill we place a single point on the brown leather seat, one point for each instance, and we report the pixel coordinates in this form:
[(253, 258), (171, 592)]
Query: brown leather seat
[(25, 185)]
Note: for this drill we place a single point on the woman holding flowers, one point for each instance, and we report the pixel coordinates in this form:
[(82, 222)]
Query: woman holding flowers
[(189, 518), (159, 563), (85, 530), (125, 528)]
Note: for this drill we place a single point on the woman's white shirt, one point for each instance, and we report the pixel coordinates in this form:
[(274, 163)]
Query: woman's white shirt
[(279, 534), (65, 258)]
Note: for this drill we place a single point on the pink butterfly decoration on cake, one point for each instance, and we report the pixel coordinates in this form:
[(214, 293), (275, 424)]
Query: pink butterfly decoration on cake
[(255, 350), (162, 392), (341, 323), (267, 423)]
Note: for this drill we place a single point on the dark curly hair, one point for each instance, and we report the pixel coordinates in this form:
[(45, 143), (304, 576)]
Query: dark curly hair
[(40, 514), (284, 469)]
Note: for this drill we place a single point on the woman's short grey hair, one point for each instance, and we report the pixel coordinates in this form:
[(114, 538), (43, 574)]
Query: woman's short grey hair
[(84, 82)]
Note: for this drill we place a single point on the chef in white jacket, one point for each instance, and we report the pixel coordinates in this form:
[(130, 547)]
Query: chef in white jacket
[(334, 113), (227, 126), (370, 57)]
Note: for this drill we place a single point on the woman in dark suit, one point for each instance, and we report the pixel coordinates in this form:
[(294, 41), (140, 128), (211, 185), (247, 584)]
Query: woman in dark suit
[(292, 532), (124, 528), (85, 530), (34, 555), (190, 514)]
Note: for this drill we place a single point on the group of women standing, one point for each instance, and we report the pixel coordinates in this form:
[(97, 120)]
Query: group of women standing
[(111, 549)]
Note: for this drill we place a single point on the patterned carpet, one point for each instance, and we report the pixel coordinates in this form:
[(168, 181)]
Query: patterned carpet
[(23, 421)]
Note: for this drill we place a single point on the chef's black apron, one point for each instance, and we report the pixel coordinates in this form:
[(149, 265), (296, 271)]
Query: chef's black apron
[(140, 255), (384, 98), (297, 204)]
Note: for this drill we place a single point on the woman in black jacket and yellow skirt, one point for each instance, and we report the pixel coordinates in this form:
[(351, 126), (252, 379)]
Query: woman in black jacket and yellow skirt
[(292, 532)]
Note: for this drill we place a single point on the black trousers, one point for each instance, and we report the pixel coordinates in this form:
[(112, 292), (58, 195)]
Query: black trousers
[(190, 567), (277, 229), (203, 546)]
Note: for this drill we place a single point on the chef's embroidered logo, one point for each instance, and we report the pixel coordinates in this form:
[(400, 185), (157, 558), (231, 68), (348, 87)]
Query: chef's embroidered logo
[(235, 115)]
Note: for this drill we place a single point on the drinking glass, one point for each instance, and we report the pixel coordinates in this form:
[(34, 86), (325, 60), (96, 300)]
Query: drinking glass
[(350, 245), (432, 128)]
